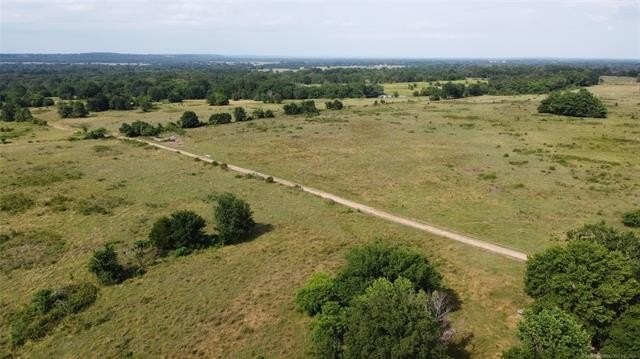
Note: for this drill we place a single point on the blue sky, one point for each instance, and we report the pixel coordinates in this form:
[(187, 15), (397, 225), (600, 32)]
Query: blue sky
[(329, 28)]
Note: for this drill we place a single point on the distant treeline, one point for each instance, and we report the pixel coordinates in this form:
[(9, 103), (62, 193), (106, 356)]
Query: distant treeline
[(123, 87)]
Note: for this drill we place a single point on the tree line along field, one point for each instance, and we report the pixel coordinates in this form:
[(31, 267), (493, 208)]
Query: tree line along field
[(233, 301), (489, 166)]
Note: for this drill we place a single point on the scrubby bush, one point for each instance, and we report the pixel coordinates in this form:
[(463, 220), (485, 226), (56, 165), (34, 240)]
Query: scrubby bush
[(576, 104), (220, 118), (48, 308), (334, 105), (632, 219), (15, 202), (234, 219), (183, 229), (23, 114), (258, 113), (239, 114), (139, 128), (217, 98), (624, 335), (269, 114), (174, 97), (392, 320), (317, 291), (189, 119), (96, 134), (305, 107), (104, 264), (585, 279), (122, 103)]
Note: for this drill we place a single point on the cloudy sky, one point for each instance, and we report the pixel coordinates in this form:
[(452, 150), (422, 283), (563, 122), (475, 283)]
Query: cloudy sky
[(327, 28)]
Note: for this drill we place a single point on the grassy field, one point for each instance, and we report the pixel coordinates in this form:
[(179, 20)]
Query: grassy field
[(489, 166), (231, 302)]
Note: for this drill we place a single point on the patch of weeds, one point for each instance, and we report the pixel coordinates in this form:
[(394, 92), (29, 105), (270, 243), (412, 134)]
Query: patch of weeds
[(487, 176), (15, 202), (58, 203), (98, 205), (24, 250), (518, 163), (103, 150), (47, 308), (44, 175)]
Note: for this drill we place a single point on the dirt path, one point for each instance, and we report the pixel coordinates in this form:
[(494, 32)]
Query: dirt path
[(513, 254)]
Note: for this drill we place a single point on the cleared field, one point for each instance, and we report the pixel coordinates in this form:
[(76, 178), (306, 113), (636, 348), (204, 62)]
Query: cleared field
[(235, 301), (490, 167)]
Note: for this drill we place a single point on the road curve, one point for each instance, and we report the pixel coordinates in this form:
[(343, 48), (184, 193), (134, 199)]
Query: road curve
[(513, 254)]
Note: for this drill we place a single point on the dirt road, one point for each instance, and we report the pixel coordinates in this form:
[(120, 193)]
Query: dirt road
[(513, 254)]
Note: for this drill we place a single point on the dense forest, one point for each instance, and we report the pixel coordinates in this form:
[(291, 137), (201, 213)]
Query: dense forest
[(124, 87)]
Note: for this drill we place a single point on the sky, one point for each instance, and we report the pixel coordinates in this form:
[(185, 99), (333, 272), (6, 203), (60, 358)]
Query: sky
[(328, 28)]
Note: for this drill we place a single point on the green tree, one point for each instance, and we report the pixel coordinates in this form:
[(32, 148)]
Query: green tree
[(624, 335), (576, 104), (189, 119), (367, 263), (239, 114), (234, 219), (391, 320), (217, 98), (327, 331), (98, 103), (183, 229), (318, 290), (145, 103), (23, 114), (104, 264), (220, 118), (585, 279), (550, 332)]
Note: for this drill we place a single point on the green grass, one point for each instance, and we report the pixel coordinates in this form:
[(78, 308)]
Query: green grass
[(235, 301), (424, 160)]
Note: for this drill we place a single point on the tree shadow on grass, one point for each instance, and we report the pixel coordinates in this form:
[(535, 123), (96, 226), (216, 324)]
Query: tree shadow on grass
[(458, 348), (258, 230)]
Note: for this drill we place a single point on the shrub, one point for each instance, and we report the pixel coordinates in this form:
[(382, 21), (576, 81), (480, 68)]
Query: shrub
[(72, 109), (15, 202), (304, 107), (96, 134), (104, 264), (48, 308), (378, 260), (220, 118), (632, 219), (181, 229), (624, 334), (234, 219), (334, 105), (239, 114), (217, 98), (552, 333), (585, 279), (189, 119), (575, 104), (258, 113), (315, 293), (269, 114), (139, 128), (391, 320), (174, 97)]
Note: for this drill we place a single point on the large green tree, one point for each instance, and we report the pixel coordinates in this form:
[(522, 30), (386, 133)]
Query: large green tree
[(392, 320), (585, 279)]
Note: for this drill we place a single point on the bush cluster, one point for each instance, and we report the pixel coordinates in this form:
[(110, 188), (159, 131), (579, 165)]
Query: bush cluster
[(72, 109), (632, 219), (575, 104), (305, 107), (334, 105), (139, 128), (47, 308), (378, 305)]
